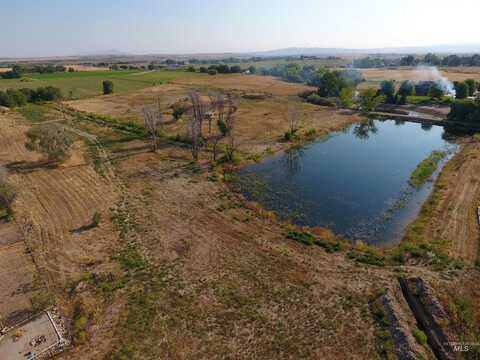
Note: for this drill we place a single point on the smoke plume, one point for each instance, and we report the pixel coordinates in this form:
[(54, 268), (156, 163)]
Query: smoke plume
[(433, 73)]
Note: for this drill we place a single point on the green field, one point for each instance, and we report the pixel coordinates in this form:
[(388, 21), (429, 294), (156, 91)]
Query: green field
[(270, 63), (84, 84)]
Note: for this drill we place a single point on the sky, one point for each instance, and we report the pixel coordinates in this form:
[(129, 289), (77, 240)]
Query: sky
[(64, 27)]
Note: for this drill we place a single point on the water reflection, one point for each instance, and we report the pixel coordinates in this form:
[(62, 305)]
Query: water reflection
[(427, 127), (292, 161), (365, 129), (356, 188)]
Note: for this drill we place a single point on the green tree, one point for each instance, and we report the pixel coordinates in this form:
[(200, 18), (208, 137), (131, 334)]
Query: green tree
[(435, 91), (107, 87), (387, 89), (407, 88), (346, 97), (461, 90), (369, 100), (472, 86), (330, 85), (252, 69)]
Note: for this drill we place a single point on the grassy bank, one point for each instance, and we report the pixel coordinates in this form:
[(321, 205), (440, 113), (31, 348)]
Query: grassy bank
[(426, 168)]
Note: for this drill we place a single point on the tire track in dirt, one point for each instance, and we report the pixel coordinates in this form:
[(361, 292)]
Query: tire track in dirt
[(57, 201), (455, 218)]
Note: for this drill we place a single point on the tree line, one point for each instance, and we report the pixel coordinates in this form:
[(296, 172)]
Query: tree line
[(19, 70), (411, 60), (13, 98)]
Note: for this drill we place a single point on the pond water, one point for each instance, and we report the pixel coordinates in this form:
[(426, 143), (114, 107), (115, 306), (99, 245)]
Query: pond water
[(355, 182)]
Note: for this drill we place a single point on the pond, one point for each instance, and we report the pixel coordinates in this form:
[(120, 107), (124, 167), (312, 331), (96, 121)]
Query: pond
[(355, 182)]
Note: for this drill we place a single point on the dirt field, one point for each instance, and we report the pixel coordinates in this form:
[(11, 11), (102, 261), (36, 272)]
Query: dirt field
[(402, 74), (454, 208), (180, 267)]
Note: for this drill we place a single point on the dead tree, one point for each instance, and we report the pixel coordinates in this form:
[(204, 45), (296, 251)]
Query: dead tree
[(195, 124), (217, 107), (152, 120), (230, 122), (293, 119)]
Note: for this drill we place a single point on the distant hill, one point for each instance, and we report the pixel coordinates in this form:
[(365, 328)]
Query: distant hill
[(111, 52), (452, 48)]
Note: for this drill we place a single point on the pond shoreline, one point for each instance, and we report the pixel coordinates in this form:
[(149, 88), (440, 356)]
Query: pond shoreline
[(313, 142)]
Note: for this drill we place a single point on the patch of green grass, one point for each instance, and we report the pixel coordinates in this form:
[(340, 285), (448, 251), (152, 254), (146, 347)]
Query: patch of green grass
[(308, 239), (328, 246), (384, 341), (34, 112), (83, 84), (426, 168), (302, 237), (420, 336), (131, 259), (367, 257)]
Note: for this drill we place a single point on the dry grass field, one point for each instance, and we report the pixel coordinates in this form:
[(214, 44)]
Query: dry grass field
[(260, 123), (402, 74), (180, 266)]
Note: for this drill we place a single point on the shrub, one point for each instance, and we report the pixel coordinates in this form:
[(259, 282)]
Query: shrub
[(178, 111), (97, 217), (289, 135), (51, 140), (465, 111), (302, 237), (311, 133), (420, 336), (318, 100), (212, 72), (305, 94), (7, 197), (107, 87)]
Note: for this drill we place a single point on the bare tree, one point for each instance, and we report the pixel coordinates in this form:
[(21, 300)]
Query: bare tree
[(152, 120), (230, 122), (195, 124), (293, 119)]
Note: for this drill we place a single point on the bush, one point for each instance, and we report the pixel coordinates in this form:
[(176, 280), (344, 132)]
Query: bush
[(302, 237), (465, 111), (7, 197), (212, 72), (178, 111), (97, 217), (420, 336), (107, 87), (318, 100), (305, 94), (51, 140), (289, 135)]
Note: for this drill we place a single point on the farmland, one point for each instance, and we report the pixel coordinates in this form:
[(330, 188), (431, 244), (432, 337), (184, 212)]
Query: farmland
[(178, 255), (84, 84)]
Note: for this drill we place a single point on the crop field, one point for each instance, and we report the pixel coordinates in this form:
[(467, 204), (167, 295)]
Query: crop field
[(89, 83)]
